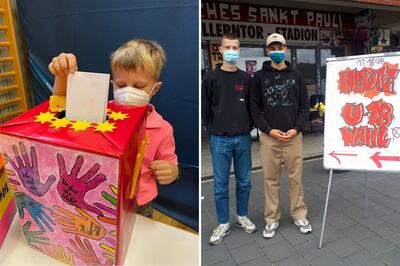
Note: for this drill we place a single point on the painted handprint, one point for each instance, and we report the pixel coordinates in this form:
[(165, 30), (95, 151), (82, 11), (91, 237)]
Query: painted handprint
[(113, 201), (35, 209), (58, 253), (10, 172), (110, 254), (72, 189), (83, 251), (28, 172), (80, 224), (34, 237), (13, 183)]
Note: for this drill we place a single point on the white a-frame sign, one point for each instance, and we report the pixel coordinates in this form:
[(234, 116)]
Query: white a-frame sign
[(362, 115)]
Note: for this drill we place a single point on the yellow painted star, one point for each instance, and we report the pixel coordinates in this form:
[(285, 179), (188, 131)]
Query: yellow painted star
[(44, 117), (58, 123), (80, 125), (104, 127), (118, 116)]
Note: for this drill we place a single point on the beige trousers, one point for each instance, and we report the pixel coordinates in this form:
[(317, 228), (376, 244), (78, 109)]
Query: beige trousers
[(272, 155)]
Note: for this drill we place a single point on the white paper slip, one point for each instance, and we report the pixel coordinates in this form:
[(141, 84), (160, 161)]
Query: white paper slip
[(87, 95)]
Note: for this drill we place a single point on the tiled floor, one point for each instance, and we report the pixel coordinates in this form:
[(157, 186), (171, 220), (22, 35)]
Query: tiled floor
[(350, 238)]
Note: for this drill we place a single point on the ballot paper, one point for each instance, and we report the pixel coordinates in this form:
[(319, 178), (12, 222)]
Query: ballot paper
[(87, 95)]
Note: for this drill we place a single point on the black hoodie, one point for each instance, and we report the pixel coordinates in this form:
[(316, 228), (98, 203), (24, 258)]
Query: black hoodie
[(279, 99)]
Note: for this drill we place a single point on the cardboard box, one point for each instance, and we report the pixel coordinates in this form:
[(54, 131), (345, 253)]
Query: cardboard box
[(73, 181)]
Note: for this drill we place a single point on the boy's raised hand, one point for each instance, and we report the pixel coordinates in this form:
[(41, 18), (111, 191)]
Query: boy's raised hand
[(164, 171), (63, 64)]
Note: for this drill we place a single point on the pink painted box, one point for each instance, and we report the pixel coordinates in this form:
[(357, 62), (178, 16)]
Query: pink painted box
[(72, 181)]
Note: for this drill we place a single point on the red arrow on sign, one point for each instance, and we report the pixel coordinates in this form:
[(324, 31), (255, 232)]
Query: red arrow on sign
[(376, 158), (334, 155)]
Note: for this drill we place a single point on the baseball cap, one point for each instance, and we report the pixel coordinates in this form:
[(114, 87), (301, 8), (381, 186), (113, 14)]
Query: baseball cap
[(275, 37)]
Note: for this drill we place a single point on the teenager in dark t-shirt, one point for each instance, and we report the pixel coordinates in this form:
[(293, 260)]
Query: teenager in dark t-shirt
[(226, 116)]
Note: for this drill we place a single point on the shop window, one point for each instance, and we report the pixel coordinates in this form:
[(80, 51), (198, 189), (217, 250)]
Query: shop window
[(306, 63), (205, 60), (251, 51), (325, 53), (288, 56)]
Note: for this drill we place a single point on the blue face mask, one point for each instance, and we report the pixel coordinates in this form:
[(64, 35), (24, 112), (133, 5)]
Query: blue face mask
[(230, 56), (277, 56)]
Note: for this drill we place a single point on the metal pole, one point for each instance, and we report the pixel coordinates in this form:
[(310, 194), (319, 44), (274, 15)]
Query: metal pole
[(326, 207), (366, 195)]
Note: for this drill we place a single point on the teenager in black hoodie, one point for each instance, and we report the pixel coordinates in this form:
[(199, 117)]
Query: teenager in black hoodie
[(226, 116), (279, 108)]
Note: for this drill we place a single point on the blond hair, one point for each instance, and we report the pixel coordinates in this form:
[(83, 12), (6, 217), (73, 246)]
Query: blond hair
[(141, 54)]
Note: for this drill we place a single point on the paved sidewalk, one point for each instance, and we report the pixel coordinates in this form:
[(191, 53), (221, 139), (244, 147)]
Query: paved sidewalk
[(350, 238)]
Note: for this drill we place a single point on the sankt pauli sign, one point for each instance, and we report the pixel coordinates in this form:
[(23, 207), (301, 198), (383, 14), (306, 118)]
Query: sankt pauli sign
[(253, 23)]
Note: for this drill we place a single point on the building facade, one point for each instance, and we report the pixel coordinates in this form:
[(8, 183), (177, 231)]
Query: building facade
[(314, 32)]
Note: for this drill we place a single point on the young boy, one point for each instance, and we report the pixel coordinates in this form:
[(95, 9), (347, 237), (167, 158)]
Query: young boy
[(136, 68)]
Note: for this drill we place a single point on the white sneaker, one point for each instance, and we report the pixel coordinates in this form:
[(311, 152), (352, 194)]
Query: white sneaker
[(218, 234), (269, 230), (304, 225), (245, 223)]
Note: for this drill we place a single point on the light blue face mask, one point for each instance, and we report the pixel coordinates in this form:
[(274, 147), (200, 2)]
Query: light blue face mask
[(230, 56), (277, 56)]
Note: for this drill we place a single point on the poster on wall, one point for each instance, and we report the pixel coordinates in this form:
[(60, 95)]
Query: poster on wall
[(362, 115), (215, 55), (251, 64)]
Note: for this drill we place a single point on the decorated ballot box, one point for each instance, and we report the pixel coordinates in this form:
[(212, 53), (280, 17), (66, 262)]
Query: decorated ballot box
[(75, 182), (7, 205)]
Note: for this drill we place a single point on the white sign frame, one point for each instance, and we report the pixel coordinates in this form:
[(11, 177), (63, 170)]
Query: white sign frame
[(362, 158)]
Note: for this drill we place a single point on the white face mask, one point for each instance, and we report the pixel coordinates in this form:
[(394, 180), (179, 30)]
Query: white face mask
[(132, 96)]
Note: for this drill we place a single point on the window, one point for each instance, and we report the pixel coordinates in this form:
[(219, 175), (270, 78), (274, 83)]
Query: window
[(288, 56), (251, 51), (306, 64), (325, 53), (205, 60)]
